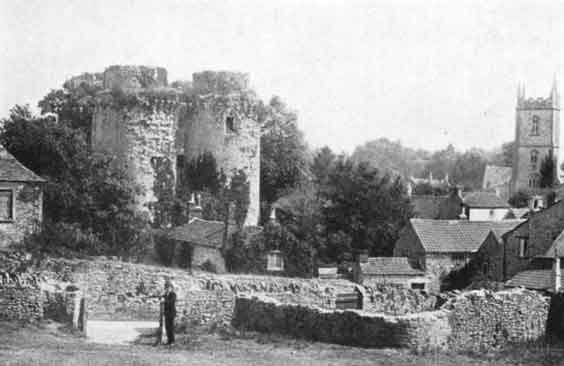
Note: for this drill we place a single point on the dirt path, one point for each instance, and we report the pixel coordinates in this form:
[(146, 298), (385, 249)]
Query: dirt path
[(118, 332)]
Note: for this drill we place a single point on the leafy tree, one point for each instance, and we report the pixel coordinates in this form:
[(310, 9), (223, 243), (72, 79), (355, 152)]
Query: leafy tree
[(520, 199), (369, 207), (283, 158), (83, 188), (468, 169), (322, 163), (73, 105), (391, 157), (547, 171), (441, 162)]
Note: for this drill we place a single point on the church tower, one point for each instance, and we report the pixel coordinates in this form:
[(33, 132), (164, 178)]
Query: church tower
[(537, 134)]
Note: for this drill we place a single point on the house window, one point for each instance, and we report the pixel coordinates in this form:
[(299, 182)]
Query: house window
[(535, 126), (492, 213), (523, 242), (418, 286), (274, 261), (6, 205), (230, 124), (485, 269)]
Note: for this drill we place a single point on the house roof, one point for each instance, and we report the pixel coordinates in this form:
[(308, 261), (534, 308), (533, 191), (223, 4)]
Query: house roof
[(389, 266), (458, 236), (427, 206), (518, 213), (538, 279), (557, 247), (11, 170), (201, 232), (495, 176), (482, 199)]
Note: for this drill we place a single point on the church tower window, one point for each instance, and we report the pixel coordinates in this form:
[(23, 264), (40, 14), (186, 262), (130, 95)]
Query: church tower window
[(534, 159), (535, 126)]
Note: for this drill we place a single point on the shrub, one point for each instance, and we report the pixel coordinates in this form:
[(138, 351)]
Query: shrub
[(63, 240), (165, 249)]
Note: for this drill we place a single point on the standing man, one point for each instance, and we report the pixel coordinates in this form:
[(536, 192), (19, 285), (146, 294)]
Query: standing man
[(169, 311)]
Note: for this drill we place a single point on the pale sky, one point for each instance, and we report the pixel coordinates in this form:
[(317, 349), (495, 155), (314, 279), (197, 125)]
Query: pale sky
[(424, 72)]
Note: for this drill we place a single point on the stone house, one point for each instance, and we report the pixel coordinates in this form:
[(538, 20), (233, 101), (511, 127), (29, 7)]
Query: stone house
[(372, 271), (546, 271), (201, 241), (485, 206), (525, 245), (439, 247), (21, 200)]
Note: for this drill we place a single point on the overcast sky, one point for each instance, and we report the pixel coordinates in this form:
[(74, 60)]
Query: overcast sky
[(426, 73)]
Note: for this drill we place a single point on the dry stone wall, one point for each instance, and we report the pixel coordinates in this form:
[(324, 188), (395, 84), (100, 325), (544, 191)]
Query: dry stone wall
[(20, 297), (396, 300), (473, 321), (422, 331), (484, 319), (120, 290)]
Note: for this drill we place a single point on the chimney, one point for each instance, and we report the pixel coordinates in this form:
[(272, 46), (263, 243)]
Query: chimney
[(557, 272), (195, 208)]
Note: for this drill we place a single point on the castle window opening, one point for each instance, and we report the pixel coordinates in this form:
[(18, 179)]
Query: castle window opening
[(6, 205), (230, 124), (535, 126), (534, 159), (534, 181)]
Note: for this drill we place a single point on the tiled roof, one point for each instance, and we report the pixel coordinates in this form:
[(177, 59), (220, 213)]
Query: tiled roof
[(427, 206), (484, 200), (539, 279), (556, 247), (462, 236), (201, 232), (518, 213), (495, 176), (11, 170), (389, 266)]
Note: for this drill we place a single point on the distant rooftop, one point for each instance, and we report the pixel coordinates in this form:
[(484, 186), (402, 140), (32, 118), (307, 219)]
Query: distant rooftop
[(389, 266), (11, 170), (482, 199)]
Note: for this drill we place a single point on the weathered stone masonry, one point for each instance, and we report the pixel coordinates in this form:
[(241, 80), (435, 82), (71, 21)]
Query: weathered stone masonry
[(151, 121), (474, 321)]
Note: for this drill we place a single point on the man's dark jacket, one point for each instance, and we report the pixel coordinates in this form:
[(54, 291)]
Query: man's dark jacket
[(170, 304)]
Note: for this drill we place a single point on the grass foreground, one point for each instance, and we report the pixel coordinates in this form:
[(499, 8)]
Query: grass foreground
[(49, 344)]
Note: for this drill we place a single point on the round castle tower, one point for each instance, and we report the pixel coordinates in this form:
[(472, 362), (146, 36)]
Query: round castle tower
[(136, 118), (222, 119)]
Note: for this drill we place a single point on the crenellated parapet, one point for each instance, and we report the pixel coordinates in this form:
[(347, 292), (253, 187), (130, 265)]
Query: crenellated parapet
[(536, 103)]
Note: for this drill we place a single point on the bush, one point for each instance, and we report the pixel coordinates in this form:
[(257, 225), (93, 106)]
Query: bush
[(63, 240), (165, 249)]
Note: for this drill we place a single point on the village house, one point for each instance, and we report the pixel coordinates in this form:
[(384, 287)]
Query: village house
[(546, 270), (526, 245), (485, 206), (443, 207), (440, 247), (21, 200), (370, 271)]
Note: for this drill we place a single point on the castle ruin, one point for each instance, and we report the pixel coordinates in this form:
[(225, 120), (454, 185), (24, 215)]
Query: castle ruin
[(144, 122)]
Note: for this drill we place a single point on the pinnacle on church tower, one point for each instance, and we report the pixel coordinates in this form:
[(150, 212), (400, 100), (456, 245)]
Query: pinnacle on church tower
[(554, 93)]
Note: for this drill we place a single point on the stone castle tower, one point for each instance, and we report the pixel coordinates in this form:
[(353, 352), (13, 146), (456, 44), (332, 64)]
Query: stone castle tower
[(537, 134), (149, 123)]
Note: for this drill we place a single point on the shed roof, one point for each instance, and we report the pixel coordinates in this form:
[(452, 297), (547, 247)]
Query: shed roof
[(389, 266), (11, 170), (538, 279), (458, 236), (495, 175), (482, 199)]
